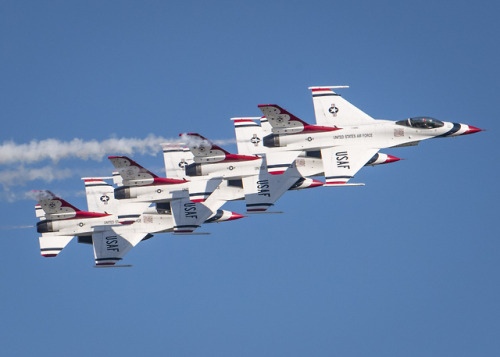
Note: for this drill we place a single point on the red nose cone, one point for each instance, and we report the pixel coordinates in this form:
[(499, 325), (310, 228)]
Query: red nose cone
[(316, 183), (472, 130), (235, 215), (391, 158)]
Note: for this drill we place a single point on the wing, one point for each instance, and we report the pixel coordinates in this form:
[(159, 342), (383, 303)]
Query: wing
[(341, 163), (51, 245), (112, 243), (331, 109), (188, 215), (261, 191), (279, 161)]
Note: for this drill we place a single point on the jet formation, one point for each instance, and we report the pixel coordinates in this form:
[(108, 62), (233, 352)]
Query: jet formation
[(277, 152)]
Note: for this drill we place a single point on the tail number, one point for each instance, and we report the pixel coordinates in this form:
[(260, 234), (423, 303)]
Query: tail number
[(190, 210), (342, 159)]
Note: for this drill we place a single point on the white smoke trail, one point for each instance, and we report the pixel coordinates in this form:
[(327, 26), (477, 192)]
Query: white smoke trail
[(39, 195), (21, 174), (8, 228), (55, 150), (18, 159), (194, 141)]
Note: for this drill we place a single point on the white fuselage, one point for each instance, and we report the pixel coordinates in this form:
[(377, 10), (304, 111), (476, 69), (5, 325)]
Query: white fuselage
[(382, 134)]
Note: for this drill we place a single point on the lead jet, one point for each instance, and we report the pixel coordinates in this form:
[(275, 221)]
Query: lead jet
[(250, 131), (261, 190), (346, 136)]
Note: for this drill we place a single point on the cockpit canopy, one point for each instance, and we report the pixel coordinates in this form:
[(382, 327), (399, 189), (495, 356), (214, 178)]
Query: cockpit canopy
[(421, 123)]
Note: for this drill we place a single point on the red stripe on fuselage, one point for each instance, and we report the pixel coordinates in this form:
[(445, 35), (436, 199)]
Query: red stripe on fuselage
[(235, 157)]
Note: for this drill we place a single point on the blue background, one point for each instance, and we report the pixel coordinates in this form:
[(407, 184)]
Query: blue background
[(406, 266)]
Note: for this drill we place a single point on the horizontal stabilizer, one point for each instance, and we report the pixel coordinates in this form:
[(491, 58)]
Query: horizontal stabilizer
[(51, 246), (200, 190), (280, 161)]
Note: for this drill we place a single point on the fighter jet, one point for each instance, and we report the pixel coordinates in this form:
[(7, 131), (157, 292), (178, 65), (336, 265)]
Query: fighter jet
[(261, 190), (138, 184), (346, 137), (250, 131)]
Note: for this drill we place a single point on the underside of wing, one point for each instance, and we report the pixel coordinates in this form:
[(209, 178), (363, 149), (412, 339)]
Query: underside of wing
[(263, 190), (341, 163), (188, 215), (112, 243)]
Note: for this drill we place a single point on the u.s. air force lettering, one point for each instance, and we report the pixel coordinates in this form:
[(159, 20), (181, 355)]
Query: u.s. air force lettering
[(342, 159), (190, 210), (112, 243), (263, 188)]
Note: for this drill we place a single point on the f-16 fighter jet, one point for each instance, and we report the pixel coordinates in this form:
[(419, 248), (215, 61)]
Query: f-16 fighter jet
[(138, 184), (250, 131), (112, 236), (260, 188), (347, 137)]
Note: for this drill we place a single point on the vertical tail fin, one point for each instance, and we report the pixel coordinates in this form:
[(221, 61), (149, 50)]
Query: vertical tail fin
[(176, 157), (249, 136), (100, 194), (332, 110)]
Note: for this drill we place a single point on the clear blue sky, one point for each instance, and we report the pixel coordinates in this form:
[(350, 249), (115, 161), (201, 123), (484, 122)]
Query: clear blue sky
[(406, 266)]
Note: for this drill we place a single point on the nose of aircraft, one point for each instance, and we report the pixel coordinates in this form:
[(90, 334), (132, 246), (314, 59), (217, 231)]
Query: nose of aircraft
[(471, 129), (235, 215)]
